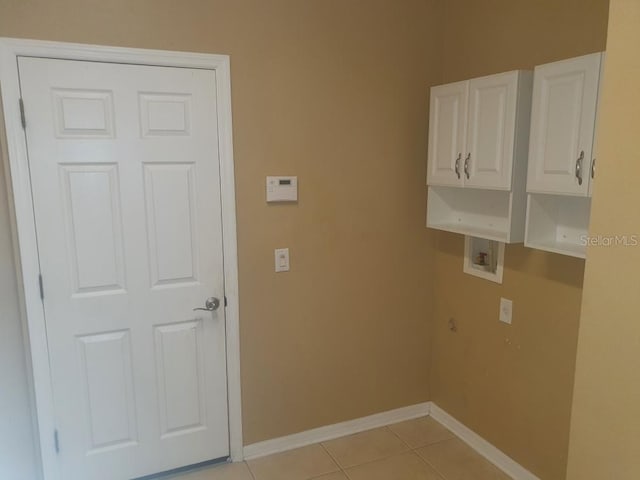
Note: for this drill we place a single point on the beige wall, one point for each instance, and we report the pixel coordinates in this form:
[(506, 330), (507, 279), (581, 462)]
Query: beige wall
[(605, 425), (336, 93), (512, 384)]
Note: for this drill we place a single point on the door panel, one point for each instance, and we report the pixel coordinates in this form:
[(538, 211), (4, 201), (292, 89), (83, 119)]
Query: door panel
[(126, 191), (491, 130), (93, 220), (562, 125), (107, 377), (165, 114), (179, 358), (171, 222), (447, 131), (83, 113)]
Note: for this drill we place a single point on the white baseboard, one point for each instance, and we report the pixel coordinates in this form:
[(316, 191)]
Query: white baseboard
[(480, 445), (330, 432)]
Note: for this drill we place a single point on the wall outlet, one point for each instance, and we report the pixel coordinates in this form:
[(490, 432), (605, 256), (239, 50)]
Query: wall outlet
[(506, 310), (282, 259)]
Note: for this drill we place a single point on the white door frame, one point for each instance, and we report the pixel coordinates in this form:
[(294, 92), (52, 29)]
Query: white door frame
[(18, 182)]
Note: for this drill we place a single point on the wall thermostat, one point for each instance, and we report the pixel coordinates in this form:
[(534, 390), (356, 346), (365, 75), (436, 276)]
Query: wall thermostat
[(282, 189)]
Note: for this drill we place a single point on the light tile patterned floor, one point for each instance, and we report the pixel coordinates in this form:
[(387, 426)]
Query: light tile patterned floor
[(420, 449)]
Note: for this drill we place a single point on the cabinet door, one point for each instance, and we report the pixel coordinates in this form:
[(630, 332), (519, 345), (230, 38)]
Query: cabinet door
[(592, 168), (591, 172), (447, 131), (488, 157), (562, 125)]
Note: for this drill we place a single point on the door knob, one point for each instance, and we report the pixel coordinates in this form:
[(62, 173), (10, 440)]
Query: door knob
[(211, 304)]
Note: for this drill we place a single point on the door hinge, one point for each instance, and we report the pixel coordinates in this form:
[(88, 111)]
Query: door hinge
[(225, 301), (40, 284), (23, 118), (56, 441)]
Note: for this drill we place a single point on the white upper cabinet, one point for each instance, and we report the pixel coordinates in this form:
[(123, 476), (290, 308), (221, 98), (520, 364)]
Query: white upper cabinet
[(478, 145), (447, 133), (563, 119), (472, 131), (491, 130), (562, 154)]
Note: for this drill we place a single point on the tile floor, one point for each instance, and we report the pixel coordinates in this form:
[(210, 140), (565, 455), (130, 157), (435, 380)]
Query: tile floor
[(420, 449)]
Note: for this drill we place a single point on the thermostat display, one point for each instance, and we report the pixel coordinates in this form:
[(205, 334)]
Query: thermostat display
[(282, 189)]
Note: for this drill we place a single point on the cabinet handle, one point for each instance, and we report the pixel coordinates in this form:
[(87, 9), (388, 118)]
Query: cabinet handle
[(593, 168), (579, 167), (458, 165), (466, 165)]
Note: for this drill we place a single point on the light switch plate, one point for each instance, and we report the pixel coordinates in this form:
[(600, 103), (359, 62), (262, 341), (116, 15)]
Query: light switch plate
[(506, 310), (282, 259)]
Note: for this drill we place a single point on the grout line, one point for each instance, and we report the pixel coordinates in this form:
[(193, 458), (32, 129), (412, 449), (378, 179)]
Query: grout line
[(343, 468), (453, 437), (250, 471), (431, 465), (401, 439), (386, 457), (434, 443), (330, 456), (415, 450)]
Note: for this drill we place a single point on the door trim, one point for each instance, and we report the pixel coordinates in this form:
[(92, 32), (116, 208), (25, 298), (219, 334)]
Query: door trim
[(23, 223)]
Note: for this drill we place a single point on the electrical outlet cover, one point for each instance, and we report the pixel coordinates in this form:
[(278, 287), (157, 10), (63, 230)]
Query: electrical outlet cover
[(506, 310), (282, 259)]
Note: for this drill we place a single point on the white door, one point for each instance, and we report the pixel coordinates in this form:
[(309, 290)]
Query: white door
[(126, 189), (447, 132), (562, 125), (490, 133)]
